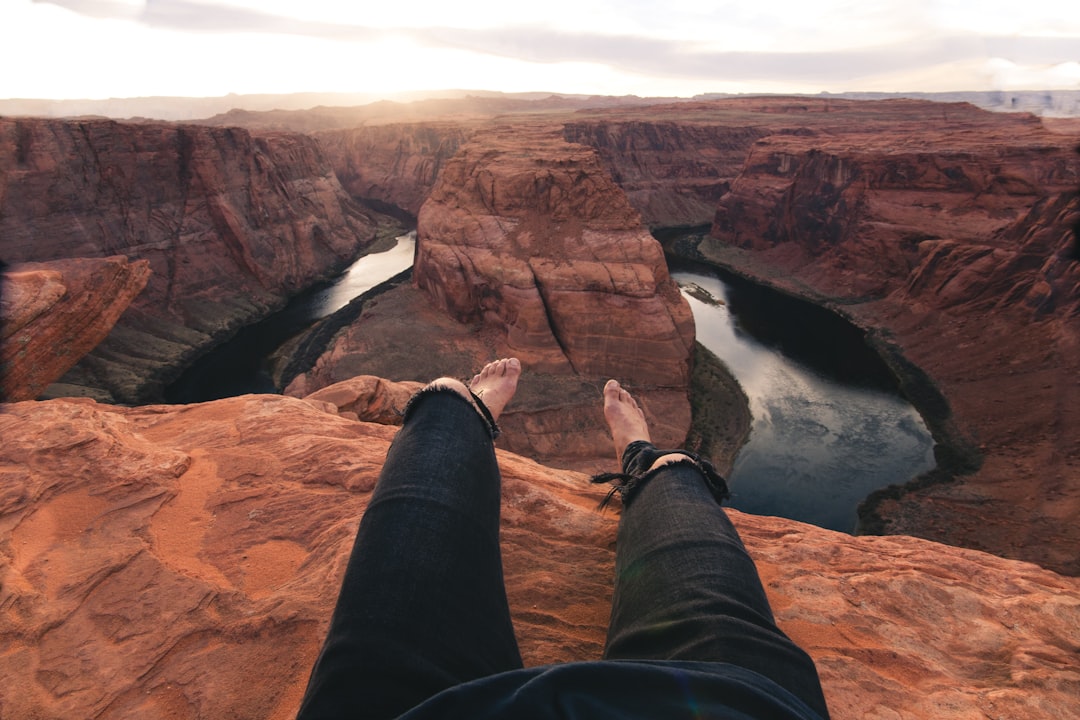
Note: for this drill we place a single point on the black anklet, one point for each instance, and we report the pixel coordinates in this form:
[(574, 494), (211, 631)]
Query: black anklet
[(639, 456), (488, 417)]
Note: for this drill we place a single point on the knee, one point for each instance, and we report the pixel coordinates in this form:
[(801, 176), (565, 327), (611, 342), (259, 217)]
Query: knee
[(449, 383), (668, 460)]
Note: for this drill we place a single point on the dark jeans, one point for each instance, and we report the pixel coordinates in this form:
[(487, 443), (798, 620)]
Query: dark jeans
[(423, 606)]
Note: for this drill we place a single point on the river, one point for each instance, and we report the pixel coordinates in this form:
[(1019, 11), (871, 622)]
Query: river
[(829, 426), (239, 365)]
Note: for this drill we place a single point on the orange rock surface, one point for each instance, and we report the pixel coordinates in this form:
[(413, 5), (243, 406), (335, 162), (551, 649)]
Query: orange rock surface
[(52, 314), (182, 562)]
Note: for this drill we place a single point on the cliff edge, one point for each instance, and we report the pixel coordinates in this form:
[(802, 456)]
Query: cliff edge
[(183, 562)]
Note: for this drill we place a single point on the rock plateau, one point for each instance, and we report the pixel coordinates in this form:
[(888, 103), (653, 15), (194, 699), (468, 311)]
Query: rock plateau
[(182, 561)]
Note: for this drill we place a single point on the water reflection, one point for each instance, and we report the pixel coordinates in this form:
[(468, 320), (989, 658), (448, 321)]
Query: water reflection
[(817, 446), (364, 274), (240, 365)]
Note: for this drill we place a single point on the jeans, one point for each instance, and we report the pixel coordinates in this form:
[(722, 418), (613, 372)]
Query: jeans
[(423, 607)]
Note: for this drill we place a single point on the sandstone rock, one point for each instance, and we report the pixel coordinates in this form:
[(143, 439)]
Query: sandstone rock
[(368, 398), (950, 239), (183, 561), (527, 244), (529, 233), (401, 336), (673, 172), (51, 314), (393, 164), (231, 224)]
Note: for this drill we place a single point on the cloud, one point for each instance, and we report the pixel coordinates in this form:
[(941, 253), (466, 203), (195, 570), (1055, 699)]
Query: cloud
[(189, 16), (98, 9), (633, 53)]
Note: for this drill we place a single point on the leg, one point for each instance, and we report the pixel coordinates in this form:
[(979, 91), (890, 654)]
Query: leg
[(685, 587), (422, 606)]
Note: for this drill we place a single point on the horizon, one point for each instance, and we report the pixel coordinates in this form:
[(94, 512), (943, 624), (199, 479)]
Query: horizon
[(131, 49)]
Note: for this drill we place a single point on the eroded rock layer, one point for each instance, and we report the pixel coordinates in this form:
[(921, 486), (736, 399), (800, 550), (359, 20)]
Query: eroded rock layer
[(393, 164), (52, 314), (183, 562), (231, 224), (531, 235), (673, 172), (531, 249), (950, 235)]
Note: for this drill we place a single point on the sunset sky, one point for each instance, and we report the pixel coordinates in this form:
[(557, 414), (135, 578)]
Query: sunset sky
[(130, 48)]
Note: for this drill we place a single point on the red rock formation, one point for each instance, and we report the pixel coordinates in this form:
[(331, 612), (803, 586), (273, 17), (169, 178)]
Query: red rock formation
[(183, 562), (951, 238), (393, 164), (231, 224), (528, 233), (534, 252), (672, 172), (51, 314)]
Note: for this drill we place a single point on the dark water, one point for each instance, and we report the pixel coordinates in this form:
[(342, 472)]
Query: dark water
[(239, 365), (829, 425)]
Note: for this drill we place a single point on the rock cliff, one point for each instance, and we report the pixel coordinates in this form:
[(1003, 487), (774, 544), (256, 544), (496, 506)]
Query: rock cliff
[(52, 314), (530, 247), (231, 224), (393, 165), (950, 240), (672, 172), (183, 561)]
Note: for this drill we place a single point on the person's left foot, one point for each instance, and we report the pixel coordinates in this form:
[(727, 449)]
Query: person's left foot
[(496, 384)]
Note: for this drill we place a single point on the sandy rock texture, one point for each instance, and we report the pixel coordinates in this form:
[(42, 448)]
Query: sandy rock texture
[(182, 562), (52, 314), (950, 237), (231, 224)]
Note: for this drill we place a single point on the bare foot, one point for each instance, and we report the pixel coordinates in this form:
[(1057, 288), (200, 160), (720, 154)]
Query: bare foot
[(627, 423), (496, 384), (624, 418)]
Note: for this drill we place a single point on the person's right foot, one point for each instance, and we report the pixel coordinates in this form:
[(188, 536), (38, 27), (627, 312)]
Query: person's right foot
[(496, 384), (624, 417)]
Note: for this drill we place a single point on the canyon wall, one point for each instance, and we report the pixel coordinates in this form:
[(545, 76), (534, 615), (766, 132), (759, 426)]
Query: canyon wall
[(394, 165), (672, 172), (950, 240), (52, 314), (230, 223), (183, 562)]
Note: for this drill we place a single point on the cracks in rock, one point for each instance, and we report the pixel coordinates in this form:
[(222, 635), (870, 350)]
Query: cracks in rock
[(185, 152), (551, 319)]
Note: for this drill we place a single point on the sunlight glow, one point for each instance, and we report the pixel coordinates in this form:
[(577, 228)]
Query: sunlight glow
[(127, 48)]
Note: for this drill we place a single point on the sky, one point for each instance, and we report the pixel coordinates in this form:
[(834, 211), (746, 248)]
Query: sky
[(61, 49)]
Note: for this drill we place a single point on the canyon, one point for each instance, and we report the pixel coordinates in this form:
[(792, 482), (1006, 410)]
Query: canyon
[(942, 230), (231, 224)]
